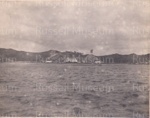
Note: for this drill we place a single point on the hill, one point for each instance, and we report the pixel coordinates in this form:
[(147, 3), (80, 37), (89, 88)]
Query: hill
[(54, 56)]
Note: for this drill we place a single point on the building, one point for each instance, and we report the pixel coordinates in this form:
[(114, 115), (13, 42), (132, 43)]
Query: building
[(98, 62), (71, 60)]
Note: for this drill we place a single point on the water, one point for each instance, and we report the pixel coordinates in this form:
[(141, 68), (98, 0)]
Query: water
[(29, 89)]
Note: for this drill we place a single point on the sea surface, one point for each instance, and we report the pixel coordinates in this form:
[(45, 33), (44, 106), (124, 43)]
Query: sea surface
[(54, 90)]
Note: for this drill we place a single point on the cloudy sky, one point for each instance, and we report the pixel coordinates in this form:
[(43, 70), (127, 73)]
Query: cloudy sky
[(106, 26)]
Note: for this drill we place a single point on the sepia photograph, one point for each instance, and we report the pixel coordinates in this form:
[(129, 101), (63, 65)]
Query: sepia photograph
[(74, 58)]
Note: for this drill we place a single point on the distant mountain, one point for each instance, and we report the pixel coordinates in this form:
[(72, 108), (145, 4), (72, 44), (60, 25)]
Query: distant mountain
[(131, 58), (8, 55), (24, 56)]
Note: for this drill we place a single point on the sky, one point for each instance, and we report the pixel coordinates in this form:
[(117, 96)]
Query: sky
[(106, 26)]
